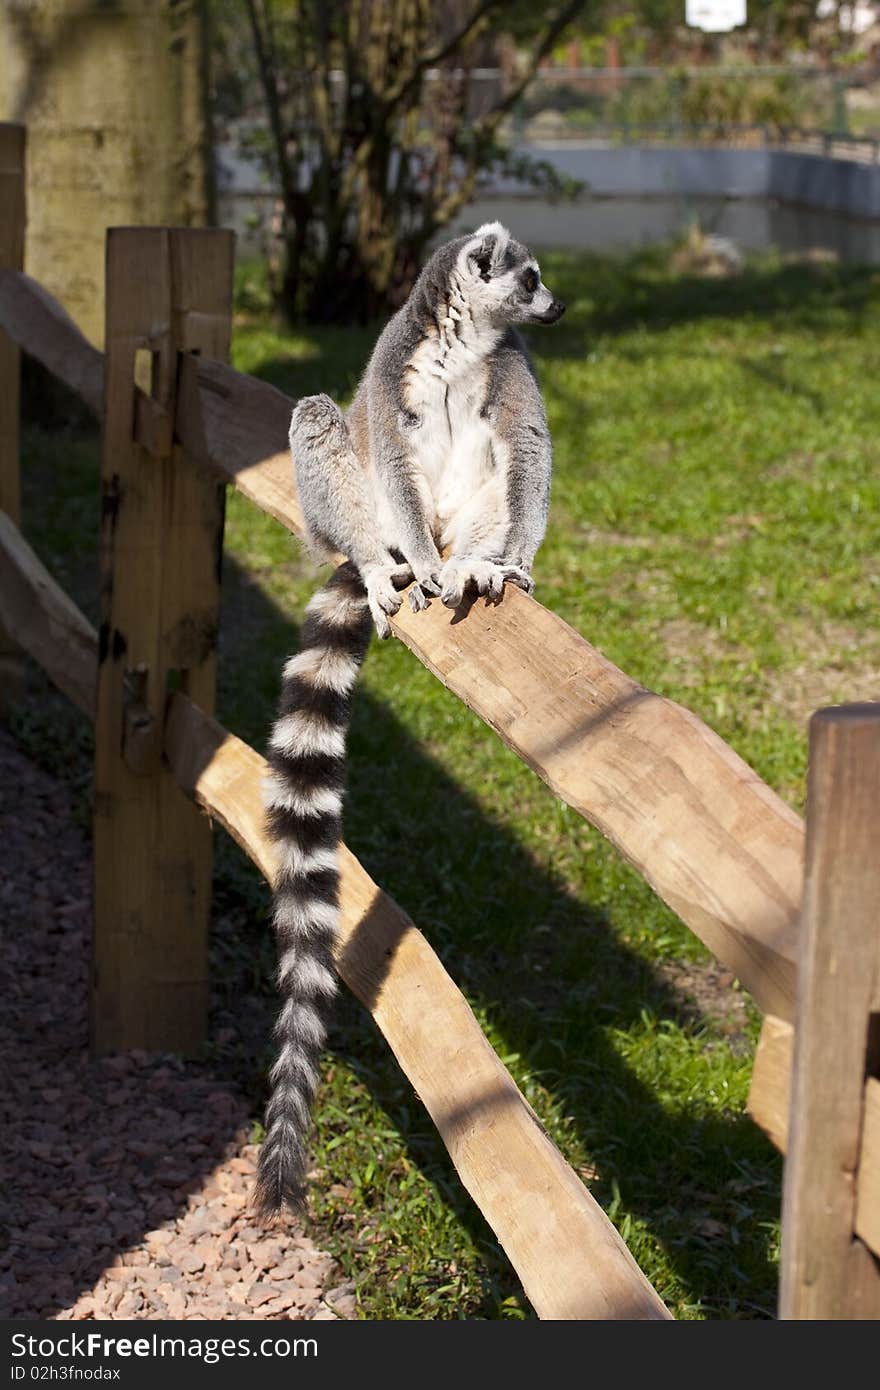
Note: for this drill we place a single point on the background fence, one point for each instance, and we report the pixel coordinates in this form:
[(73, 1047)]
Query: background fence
[(582, 102)]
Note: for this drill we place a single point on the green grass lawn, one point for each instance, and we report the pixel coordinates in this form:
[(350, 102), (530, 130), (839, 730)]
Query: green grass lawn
[(715, 531)]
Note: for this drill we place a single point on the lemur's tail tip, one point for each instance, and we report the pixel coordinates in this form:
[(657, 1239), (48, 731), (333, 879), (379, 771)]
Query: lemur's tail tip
[(272, 1197)]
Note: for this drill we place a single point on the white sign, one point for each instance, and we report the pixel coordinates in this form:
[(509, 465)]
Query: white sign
[(715, 16)]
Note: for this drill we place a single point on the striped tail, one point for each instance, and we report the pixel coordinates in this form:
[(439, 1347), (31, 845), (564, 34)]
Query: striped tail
[(304, 802)]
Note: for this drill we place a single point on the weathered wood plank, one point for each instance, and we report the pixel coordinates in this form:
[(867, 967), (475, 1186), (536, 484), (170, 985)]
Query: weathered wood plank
[(41, 327), (867, 1222), (201, 263), (128, 964), (770, 1091), (570, 1259), (826, 1272), (239, 426), (45, 623), (710, 837), (160, 561), (12, 224), (712, 840), (770, 1104)]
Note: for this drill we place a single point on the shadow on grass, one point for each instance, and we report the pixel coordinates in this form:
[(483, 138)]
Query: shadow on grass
[(548, 969), (555, 980)]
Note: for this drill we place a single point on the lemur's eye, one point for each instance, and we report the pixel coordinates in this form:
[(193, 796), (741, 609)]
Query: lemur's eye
[(530, 281)]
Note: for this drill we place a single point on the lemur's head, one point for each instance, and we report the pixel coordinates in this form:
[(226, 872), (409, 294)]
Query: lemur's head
[(503, 279)]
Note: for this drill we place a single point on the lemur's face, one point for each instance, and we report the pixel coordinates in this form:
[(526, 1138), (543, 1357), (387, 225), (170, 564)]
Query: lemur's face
[(504, 279)]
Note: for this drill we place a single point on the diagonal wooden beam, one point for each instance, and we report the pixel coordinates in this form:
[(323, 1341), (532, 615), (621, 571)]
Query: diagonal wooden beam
[(711, 838), (570, 1259)]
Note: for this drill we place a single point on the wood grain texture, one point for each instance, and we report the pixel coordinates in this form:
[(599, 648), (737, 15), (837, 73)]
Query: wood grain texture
[(710, 837), (570, 1259), (45, 623), (826, 1272), (712, 840), (769, 1100), (867, 1221), (770, 1103), (40, 326), (12, 227), (239, 426), (161, 541)]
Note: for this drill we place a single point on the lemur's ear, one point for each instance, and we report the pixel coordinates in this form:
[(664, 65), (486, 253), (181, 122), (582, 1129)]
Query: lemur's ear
[(483, 256), (487, 248)]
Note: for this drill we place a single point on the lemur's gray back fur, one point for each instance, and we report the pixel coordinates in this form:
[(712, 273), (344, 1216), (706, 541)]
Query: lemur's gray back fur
[(444, 446)]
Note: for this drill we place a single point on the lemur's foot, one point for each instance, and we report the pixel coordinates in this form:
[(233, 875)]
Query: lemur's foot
[(428, 584), (515, 574), (486, 576), (381, 583)]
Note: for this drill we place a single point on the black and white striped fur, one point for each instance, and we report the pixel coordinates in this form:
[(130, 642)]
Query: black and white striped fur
[(438, 473), (304, 801)]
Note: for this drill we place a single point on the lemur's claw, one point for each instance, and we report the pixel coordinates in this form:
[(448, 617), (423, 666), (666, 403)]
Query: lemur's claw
[(488, 577), (514, 575), (382, 596), (418, 599), (494, 588)]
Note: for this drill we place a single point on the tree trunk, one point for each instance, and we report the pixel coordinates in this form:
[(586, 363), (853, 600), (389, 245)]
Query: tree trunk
[(113, 95)]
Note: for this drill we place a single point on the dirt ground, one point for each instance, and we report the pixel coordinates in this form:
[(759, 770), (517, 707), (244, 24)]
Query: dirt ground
[(124, 1182)]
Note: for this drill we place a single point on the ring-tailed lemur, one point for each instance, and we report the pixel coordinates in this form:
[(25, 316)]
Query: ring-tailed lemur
[(444, 451)]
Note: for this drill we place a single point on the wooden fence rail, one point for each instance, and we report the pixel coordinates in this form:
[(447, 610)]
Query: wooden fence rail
[(714, 841), (729, 861), (825, 1272), (570, 1259)]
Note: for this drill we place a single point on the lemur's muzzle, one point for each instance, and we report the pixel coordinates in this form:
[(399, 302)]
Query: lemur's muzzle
[(552, 314)]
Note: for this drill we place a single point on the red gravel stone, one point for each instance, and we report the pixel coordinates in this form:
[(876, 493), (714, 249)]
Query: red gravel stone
[(132, 1198)]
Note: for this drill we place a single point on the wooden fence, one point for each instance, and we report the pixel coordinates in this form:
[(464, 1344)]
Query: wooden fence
[(710, 837)]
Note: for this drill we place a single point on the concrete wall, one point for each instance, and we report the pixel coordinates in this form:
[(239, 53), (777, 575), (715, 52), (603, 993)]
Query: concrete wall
[(624, 224), (837, 185), (639, 196), (814, 181)]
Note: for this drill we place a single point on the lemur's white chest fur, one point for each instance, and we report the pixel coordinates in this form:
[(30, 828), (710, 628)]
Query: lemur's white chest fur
[(452, 445)]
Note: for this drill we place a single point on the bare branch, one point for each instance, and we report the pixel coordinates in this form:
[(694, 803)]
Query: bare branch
[(490, 121), (434, 56), (481, 133)]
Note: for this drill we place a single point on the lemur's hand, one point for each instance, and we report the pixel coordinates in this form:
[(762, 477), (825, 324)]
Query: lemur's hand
[(382, 583), (425, 585), (486, 576), (516, 574)]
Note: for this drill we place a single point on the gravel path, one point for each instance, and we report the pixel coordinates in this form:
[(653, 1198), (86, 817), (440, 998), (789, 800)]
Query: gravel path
[(124, 1182)]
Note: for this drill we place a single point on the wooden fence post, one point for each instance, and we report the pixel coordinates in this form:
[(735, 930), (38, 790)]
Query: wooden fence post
[(169, 293), (12, 220), (827, 1272)]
